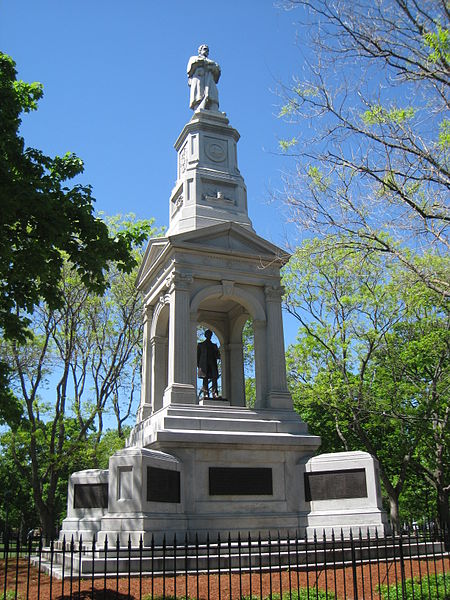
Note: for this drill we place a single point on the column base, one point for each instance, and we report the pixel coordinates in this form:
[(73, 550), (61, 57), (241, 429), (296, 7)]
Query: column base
[(144, 411), (279, 400), (179, 393)]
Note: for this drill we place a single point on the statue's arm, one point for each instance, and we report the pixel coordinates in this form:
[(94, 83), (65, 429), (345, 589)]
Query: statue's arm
[(216, 72), (193, 64)]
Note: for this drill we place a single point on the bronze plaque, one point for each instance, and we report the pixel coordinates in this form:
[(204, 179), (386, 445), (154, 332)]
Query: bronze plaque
[(335, 485), (163, 485), (90, 495), (240, 481)]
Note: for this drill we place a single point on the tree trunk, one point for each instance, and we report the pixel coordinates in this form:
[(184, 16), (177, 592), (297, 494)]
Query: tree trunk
[(47, 518), (394, 513), (443, 509)]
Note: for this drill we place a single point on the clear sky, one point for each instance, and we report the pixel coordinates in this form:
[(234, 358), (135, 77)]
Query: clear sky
[(116, 94)]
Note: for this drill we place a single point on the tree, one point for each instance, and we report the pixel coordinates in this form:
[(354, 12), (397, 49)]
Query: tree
[(41, 222), (91, 347), (372, 146), (370, 368), (413, 362)]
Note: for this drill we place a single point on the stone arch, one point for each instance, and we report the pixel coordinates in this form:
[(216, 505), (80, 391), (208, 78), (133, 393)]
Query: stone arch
[(247, 300), (159, 341), (233, 382), (160, 320)]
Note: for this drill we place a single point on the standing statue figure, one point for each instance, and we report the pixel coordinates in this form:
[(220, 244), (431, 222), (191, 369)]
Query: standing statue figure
[(207, 357), (203, 74)]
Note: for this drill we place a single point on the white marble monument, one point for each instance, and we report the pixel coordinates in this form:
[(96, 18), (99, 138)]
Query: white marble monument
[(195, 465)]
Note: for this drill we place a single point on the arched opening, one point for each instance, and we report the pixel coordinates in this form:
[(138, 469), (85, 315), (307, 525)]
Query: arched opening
[(201, 382), (159, 340), (226, 308), (248, 346), (226, 318)]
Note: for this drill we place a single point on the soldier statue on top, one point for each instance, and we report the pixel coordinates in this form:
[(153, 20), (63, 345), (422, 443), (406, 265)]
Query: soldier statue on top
[(203, 74)]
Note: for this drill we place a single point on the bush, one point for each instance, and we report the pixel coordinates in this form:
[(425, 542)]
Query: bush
[(416, 589)]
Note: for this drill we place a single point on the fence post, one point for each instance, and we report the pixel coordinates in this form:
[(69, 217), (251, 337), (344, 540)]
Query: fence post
[(402, 565), (353, 558), (5, 555)]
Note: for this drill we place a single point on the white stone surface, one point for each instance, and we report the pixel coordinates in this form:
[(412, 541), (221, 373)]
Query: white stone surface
[(350, 513), (218, 276), (209, 187), (212, 269), (83, 522)]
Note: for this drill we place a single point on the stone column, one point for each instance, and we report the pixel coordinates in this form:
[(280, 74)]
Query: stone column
[(259, 334), (236, 369), (145, 407), (278, 395), (193, 353), (180, 387)]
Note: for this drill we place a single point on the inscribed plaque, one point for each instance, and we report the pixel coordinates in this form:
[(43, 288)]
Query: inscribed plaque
[(90, 495), (163, 485), (240, 481), (335, 485)]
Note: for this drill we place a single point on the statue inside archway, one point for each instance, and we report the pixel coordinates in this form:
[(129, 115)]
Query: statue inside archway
[(207, 356)]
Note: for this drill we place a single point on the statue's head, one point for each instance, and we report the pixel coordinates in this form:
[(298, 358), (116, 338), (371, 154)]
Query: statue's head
[(203, 50), (208, 334)]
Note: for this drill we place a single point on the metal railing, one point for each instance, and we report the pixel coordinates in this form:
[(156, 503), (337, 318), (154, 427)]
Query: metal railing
[(413, 565)]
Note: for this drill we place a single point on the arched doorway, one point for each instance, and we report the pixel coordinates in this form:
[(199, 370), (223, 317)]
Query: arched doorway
[(226, 315)]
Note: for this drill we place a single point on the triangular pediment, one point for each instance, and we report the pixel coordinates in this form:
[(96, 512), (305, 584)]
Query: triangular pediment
[(228, 238), (155, 249)]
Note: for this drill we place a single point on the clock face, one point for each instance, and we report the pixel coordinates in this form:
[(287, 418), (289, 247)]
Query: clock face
[(216, 151)]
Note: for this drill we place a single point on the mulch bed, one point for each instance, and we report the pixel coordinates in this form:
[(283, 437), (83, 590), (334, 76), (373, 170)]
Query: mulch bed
[(339, 581)]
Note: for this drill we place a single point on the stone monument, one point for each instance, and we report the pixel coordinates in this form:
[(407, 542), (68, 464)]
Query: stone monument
[(195, 464)]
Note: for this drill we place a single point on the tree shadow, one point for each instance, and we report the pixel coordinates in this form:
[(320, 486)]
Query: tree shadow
[(95, 595)]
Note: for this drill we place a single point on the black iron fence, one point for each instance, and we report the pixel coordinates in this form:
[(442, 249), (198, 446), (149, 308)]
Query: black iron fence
[(414, 565)]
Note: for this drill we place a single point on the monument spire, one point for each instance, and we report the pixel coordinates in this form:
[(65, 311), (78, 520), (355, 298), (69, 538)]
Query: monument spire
[(209, 189)]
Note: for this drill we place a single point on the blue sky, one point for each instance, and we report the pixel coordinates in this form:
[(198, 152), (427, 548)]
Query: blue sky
[(116, 94)]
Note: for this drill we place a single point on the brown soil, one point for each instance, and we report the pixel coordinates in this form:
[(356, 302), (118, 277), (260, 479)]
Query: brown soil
[(338, 581)]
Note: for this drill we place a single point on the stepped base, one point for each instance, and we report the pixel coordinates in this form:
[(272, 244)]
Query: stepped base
[(260, 555)]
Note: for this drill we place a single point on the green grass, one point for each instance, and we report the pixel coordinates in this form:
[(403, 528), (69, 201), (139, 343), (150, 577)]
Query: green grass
[(432, 587), (10, 595)]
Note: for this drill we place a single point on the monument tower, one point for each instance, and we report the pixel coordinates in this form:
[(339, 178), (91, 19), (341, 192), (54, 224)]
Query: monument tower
[(195, 464)]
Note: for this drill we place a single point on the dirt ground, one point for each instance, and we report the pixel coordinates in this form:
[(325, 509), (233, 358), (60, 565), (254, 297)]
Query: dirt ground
[(338, 581)]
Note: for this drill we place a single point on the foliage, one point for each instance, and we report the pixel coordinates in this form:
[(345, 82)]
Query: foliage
[(109, 443), (88, 352), (299, 594), (370, 120), (432, 586), (43, 222), (370, 368), (17, 508), (10, 595), (248, 342)]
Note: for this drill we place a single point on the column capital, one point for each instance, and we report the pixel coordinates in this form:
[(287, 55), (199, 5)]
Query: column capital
[(158, 340), (147, 312), (273, 293), (259, 323), (179, 281)]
